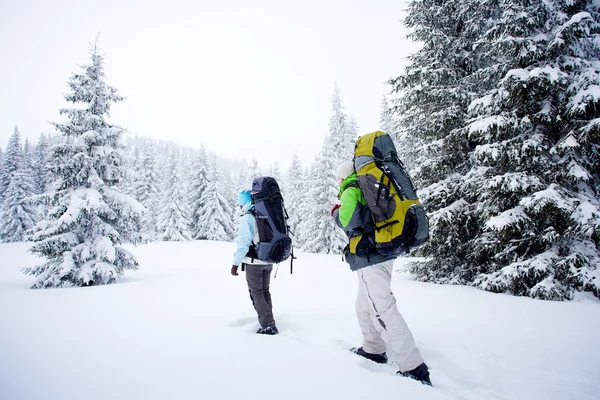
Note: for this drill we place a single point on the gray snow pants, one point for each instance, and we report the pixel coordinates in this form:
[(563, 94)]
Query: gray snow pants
[(258, 278)]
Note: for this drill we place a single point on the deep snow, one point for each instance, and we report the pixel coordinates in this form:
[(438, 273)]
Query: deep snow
[(182, 328)]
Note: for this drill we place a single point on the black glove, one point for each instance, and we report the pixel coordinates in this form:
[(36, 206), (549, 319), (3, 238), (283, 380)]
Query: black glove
[(234, 269)]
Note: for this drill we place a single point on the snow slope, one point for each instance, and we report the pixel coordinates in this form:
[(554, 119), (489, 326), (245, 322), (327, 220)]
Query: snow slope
[(182, 328)]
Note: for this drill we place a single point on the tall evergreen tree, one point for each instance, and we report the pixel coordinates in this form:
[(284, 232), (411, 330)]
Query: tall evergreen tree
[(351, 135), (215, 216), (537, 203), (13, 158), (17, 213), (28, 155), (40, 165), (433, 95), (88, 216), (173, 218), (507, 178), (199, 182), (321, 235), (230, 193), (387, 121), (275, 171), (147, 192), (341, 134), (294, 197), (254, 171), (1, 172)]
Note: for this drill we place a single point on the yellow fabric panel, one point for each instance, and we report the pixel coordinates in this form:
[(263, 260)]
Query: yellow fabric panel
[(364, 144), (354, 243), (372, 169), (390, 232)]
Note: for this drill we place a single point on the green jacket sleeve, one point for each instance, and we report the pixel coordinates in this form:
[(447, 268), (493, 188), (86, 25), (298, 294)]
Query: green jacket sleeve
[(346, 217)]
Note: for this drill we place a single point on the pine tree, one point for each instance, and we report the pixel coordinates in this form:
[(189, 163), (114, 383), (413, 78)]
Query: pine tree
[(131, 167), (535, 134), (351, 135), (254, 171), (432, 101), (197, 188), (12, 160), (17, 214), (387, 121), (173, 219), (28, 155), (40, 165), (88, 217), (507, 179), (1, 172), (214, 218), (306, 225), (294, 197), (321, 235), (342, 134), (231, 196), (275, 171), (148, 193)]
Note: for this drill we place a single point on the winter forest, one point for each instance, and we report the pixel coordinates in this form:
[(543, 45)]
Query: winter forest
[(497, 118)]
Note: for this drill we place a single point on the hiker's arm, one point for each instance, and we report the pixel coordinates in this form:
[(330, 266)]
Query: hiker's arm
[(344, 216), (244, 238)]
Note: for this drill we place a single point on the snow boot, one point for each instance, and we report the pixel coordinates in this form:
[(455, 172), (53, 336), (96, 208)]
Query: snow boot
[(269, 330), (378, 358), (421, 373)]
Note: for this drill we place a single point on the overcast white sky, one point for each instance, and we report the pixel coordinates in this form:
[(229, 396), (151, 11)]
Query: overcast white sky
[(236, 75)]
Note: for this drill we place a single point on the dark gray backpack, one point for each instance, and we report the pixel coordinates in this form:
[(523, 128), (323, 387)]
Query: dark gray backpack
[(275, 244)]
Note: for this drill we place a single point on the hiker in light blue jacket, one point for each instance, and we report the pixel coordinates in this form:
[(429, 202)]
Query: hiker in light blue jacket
[(258, 273)]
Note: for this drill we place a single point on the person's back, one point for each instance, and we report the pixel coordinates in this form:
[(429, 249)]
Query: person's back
[(382, 325), (354, 217), (258, 273)]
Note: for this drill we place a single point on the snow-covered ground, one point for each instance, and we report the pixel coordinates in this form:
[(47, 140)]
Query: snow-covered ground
[(182, 328)]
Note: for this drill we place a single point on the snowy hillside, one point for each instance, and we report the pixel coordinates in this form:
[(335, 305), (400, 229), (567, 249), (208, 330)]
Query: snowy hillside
[(182, 328)]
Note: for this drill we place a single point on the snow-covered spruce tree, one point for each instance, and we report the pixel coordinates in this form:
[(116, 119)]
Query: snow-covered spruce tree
[(351, 135), (17, 213), (243, 182), (131, 167), (275, 172), (294, 197), (1, 169), (432, 107), (40, 165), (404, 141), (148, 193), (28, 156), (229, 188), (342, 134), (307, 226), (13, 158), (387, 120), (199, 182), (88, 217), (321, 235), (536, 158), (254, 171), (214, 218), (173, 218)]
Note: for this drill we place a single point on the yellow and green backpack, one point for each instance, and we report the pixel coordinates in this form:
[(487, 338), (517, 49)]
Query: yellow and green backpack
[(400, 220)]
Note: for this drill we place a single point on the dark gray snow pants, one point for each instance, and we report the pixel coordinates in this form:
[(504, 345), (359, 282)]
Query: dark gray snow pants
[(258, 278)]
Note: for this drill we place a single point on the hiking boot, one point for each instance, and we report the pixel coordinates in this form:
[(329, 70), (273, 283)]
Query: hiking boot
[(378, 358), (421, 373), (269, 330)]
